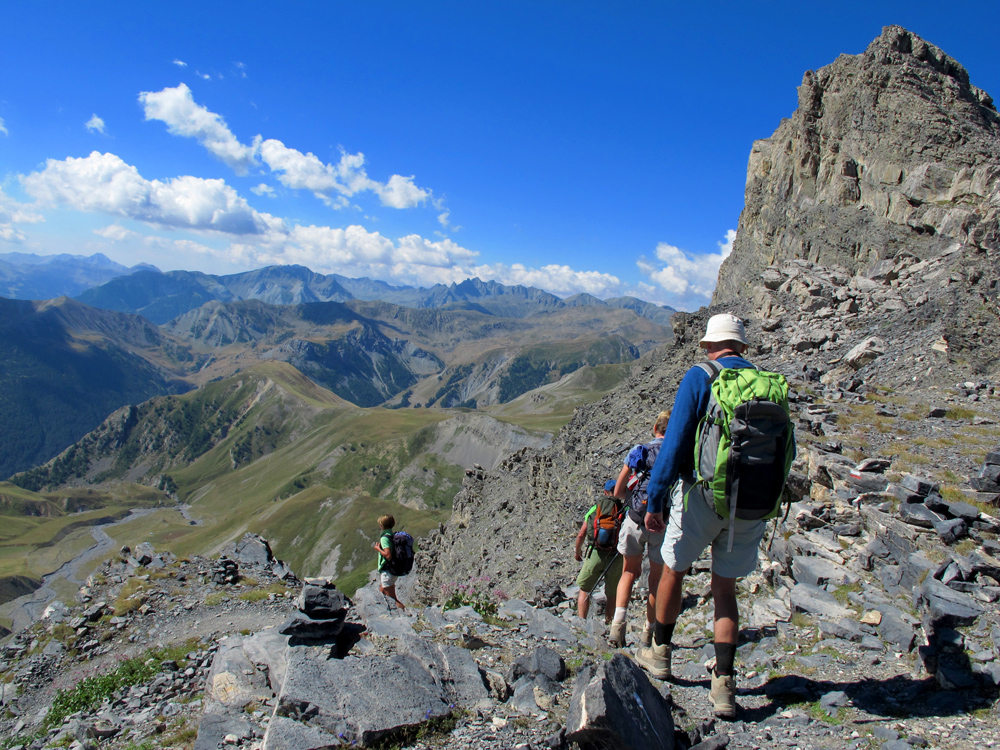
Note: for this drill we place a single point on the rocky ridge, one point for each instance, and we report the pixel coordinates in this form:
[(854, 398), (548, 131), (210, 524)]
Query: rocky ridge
[(490, 671), (890, 151), (884, 352)]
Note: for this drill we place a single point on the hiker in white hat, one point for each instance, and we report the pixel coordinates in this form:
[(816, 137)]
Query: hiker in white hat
[(673, 474), (725, 329)]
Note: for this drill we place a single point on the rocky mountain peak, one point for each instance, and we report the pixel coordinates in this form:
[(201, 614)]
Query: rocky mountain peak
[(889, 151)]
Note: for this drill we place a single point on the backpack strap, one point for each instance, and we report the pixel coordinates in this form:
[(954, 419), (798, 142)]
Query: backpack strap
[(710, 368)]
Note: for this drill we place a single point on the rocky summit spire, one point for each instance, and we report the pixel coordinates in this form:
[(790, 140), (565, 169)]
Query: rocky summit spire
[(889, 151)]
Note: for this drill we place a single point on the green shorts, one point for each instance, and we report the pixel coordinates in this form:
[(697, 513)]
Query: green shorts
[(594, 565)]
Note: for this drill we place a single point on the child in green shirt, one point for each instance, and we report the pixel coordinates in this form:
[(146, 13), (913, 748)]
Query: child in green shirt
[(384, 547)]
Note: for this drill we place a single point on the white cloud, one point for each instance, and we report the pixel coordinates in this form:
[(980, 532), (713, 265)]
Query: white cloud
[(105, 183), (332, 183), (400, 192), (688, 279), (300, 171), (115, 233), (559, 279), (176, 107), (187, 247), (13, 213), (346, 178), (95, 125), (416, 250), (3, 128), (180, 63), (416, 260), (263, 189), (443, 219)]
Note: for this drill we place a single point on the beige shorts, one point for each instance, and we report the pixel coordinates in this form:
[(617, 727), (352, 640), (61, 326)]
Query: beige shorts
[(633, 539), (691, 530), (386, 579)]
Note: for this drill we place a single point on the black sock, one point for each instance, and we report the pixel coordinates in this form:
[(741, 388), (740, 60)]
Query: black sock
[(662, 632), (725, 656)]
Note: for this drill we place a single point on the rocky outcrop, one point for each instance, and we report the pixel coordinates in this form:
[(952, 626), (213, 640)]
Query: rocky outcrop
[(879, 323), (890, 151)]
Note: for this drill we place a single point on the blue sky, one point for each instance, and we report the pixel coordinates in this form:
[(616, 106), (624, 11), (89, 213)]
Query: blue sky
[(573, 146)]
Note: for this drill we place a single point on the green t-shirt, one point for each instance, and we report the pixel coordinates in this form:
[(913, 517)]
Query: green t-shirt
[(385, 542)]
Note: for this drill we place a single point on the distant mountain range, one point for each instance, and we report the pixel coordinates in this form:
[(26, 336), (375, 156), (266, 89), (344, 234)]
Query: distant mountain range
[(29, 276), (98, 281), (68, 363), (161, 297)]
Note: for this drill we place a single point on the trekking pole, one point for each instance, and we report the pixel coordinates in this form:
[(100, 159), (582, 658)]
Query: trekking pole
[(601, 577)]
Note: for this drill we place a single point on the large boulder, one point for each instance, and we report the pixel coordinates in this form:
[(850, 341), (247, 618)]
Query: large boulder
[(615, 705), (234, 680), (253, 549), (328, 701)]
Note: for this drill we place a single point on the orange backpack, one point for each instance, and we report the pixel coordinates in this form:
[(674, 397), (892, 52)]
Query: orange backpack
[(605, 524)]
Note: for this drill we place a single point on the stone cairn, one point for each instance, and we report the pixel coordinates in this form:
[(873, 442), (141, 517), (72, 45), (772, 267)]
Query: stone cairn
[(225, 571), (322, 611), (986, 487)]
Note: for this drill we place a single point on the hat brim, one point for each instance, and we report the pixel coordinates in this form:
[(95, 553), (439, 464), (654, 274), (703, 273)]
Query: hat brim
[(717, 338)]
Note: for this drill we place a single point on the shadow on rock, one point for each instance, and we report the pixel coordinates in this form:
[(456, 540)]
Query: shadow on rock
[(900, 696)]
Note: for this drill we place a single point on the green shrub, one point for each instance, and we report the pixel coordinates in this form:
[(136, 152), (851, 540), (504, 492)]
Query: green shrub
[(254, 596), (92, 691), (478, 594)]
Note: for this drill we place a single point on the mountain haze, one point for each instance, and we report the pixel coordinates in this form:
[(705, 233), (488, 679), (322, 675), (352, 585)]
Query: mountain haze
[(160, 297), (367, 352), (29, 276), (64, 366)]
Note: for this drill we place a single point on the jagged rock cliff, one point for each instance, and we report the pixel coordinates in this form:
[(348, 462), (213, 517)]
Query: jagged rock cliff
[(865, 269), (871, 221), (889, 152)]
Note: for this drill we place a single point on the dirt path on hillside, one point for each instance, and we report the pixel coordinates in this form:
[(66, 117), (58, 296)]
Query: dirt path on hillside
[(28, 608)]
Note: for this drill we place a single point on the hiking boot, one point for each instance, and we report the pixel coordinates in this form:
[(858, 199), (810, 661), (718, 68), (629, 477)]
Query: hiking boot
[(617, 635), (646, 639), (723, 695), (655, 660)]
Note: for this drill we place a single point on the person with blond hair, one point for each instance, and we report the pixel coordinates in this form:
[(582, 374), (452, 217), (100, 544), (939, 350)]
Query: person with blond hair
[(634, 537)]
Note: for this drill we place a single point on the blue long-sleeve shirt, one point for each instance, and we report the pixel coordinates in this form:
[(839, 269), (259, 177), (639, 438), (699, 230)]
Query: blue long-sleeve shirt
[(676, 456)]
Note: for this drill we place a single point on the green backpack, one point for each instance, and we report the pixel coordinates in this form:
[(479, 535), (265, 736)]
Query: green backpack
[(745, 443)]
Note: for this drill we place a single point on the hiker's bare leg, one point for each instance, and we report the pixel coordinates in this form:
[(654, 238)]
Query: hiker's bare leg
[(583, 604), (631, 570), (390, 591), (655, 574), (727, 613), (668, 596)]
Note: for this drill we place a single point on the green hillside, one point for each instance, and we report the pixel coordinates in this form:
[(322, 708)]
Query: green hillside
[(265, 451), (57, 383)]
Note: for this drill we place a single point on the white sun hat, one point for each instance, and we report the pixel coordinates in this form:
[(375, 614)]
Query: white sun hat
[(724, 327)]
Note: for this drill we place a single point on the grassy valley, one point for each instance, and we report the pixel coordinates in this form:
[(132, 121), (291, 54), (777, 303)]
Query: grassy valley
[(266, 451), (301, 422)]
